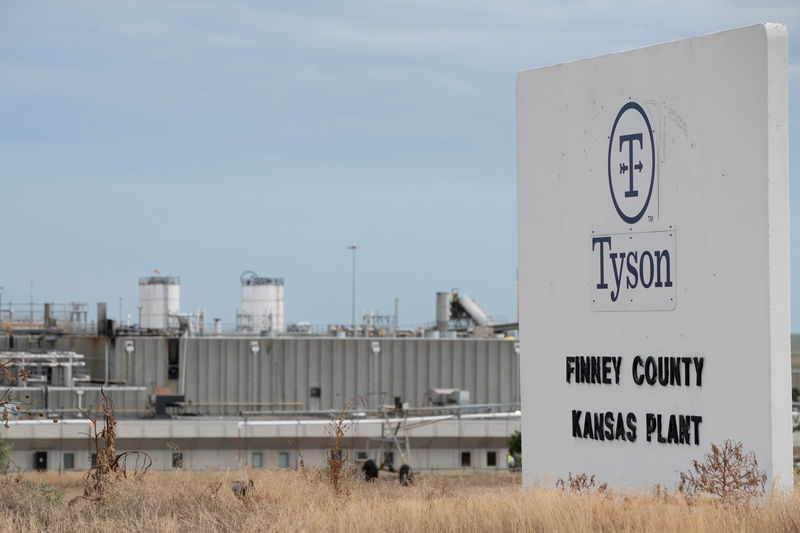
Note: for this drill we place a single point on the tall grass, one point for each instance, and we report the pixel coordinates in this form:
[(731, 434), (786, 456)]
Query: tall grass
[(289, 501)]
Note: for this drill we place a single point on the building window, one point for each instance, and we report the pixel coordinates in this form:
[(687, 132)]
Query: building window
[(283, 459), (361, 456), (491, 458), (69, 461), (258, 460), (466, 459), (94, 460), (40, 461), (177, 460)]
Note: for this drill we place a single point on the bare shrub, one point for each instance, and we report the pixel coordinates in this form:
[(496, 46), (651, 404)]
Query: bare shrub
[(300, 456), (581, 484), (110, 466), (726, 473), (336, 461)]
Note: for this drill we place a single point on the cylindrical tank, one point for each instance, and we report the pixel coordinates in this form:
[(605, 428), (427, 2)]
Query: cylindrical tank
[(442, 310), (478, 315), (262, 304), (159, 297)]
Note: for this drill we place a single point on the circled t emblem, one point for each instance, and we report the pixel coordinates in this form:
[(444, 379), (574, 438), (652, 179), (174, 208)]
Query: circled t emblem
[(631, 162)]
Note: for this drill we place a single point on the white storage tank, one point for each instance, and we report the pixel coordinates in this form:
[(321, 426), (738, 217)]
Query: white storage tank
[(262, 304), (159, 297)]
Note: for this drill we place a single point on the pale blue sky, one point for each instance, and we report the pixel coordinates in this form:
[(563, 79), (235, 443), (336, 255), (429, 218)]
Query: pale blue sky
[(209, 138)]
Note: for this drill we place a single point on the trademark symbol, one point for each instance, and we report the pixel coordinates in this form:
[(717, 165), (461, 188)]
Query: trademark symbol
[(649, 218)]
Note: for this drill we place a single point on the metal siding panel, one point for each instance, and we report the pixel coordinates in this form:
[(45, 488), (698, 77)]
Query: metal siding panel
[(281, 363), (320, 347), (301, 372), (505, 376), (198, 372), (347, 362), (452, 360), (424, 351), (468, 376), (434, 367), (155, 363), (494, 382), (361, 385), (457, 369), (237, 386), (315, 368), (210, 363), (328, 363), (485, 352), (348, 373), (288, 370), (218, 360), (403, 367), (390, 359), (471, 370), (266, 371)]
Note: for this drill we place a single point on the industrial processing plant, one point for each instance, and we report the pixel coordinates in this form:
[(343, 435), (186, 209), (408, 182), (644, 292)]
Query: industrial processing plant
[(257, 392)]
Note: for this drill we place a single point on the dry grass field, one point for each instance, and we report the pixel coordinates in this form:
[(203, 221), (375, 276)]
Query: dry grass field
[(292, 501)]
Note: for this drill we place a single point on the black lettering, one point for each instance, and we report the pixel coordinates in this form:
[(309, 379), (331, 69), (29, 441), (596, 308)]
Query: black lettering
[(672, 432), (658, 433), (683, 429), (649, 256), (588, 432), (650, 373), (606, 370), (602, 240), (609, 419), (576, 424), (584, 373), (595, 370), (617, 272), (696, 420), (663, 372), (632, 271), (698, 368), (687, 363), (674, 371), (620, 428), (617, 362), (570, 367), (631, 423), (650, 421), (663, 255), (637, 378), (598, 427)]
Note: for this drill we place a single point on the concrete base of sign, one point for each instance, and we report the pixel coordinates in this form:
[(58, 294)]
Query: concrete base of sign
[(654, 259)]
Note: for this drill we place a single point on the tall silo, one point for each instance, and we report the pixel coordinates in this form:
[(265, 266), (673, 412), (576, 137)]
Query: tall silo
[(262, 304), (159, 297)]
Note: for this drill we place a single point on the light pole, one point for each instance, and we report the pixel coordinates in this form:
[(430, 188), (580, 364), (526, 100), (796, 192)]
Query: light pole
[(353, 247)]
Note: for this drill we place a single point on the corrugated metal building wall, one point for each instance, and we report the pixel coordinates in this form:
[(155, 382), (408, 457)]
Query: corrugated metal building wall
[(225, 371)]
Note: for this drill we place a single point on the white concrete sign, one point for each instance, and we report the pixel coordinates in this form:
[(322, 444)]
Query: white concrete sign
[(654, 259)]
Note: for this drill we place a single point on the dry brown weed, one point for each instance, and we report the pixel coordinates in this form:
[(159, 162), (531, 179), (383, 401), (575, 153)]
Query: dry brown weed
[(728, 473), (110, 466)]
